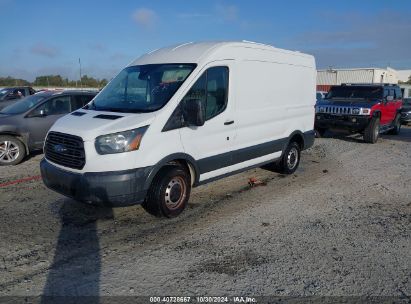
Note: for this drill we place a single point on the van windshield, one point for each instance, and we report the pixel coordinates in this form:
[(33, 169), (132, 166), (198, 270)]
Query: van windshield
[(141, 88)]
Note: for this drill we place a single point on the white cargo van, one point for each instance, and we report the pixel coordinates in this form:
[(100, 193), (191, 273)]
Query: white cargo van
[(182, 116)]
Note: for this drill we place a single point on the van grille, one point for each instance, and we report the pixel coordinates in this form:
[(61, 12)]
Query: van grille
[(66, 150), (336, 110)]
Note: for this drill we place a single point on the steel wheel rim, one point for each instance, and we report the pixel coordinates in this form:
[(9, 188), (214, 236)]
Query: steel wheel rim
[(175, 193), (9, 151), (292, 158)]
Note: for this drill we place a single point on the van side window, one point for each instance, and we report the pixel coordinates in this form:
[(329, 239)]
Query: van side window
[(212, 89), (217, 87), (198, 90)]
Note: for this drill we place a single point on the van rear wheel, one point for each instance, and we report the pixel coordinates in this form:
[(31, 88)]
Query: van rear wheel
[(169, 192), (289, 161)]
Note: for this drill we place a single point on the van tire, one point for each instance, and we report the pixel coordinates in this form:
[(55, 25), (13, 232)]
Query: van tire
[(372, 131), (169, 192), (16, 145), (290, 160)]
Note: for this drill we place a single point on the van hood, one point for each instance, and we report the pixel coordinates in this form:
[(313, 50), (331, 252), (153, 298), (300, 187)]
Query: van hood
[(92, 124)]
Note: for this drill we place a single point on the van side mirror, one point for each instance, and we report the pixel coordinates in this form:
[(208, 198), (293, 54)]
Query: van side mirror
[(194, 112)]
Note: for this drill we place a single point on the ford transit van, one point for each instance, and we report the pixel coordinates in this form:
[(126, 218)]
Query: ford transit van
[(182, 116)]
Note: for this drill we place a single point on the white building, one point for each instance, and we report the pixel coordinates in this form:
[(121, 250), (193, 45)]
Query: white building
[(403, 75), (363, 75)]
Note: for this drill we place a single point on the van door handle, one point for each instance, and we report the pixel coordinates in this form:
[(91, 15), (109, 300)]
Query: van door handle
[(230, 122)]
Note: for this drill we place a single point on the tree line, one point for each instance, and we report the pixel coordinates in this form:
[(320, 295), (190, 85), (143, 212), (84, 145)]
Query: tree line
[(54, 81)]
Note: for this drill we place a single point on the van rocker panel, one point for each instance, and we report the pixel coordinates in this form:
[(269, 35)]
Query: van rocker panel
[(116, 188)]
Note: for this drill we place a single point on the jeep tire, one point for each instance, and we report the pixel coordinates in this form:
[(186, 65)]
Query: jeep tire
[(319, 132), (372, 131), (397, 125)]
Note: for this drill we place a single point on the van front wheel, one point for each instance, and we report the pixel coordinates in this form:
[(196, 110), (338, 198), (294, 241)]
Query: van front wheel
[(169, 192)]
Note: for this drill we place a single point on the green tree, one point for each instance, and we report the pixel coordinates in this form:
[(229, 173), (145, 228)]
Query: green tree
[(49, 80), (54, 81), (11, 81)]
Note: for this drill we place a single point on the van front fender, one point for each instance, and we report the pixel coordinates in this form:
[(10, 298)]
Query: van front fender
[(169, 159)]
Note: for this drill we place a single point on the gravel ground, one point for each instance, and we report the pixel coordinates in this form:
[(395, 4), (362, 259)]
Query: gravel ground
[(340, 226)]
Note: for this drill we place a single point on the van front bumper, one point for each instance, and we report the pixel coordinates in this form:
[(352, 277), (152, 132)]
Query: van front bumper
[(114, 188)]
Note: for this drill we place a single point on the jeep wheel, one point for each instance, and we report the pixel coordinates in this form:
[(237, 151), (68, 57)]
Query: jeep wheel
[(169, 192), (289, 161), (397, 126), (12, 151), (319, 132), (372, 131)]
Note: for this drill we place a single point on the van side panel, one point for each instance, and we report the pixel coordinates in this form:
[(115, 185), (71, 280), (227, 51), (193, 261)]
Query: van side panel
[(275, 97)]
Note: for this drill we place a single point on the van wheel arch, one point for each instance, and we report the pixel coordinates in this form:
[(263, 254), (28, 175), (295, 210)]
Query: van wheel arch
[(298, 137), (182, 159)]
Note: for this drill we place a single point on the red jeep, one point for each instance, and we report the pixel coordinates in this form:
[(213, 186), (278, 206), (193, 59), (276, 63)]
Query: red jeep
[(369, 109)]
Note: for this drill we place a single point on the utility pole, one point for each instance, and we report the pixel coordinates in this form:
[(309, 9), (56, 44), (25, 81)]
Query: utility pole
[(79, 62)]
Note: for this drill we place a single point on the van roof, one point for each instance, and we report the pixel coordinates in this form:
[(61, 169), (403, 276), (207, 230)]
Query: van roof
[(195, 52)]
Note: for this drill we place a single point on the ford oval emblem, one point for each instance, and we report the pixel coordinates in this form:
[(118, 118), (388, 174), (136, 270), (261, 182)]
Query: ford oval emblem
[(60, 148)]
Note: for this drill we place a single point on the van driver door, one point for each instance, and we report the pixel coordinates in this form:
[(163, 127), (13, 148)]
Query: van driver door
[(211, 144)]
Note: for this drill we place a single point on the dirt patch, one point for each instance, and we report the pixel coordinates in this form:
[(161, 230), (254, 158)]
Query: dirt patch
[(339, 226)]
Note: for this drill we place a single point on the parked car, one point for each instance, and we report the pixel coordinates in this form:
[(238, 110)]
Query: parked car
[(370, 109), (24, 124), (180, 117), (406, 112), (12, 94)]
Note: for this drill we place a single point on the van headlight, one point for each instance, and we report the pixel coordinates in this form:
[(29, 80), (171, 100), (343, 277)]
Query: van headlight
[(120, 142)]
